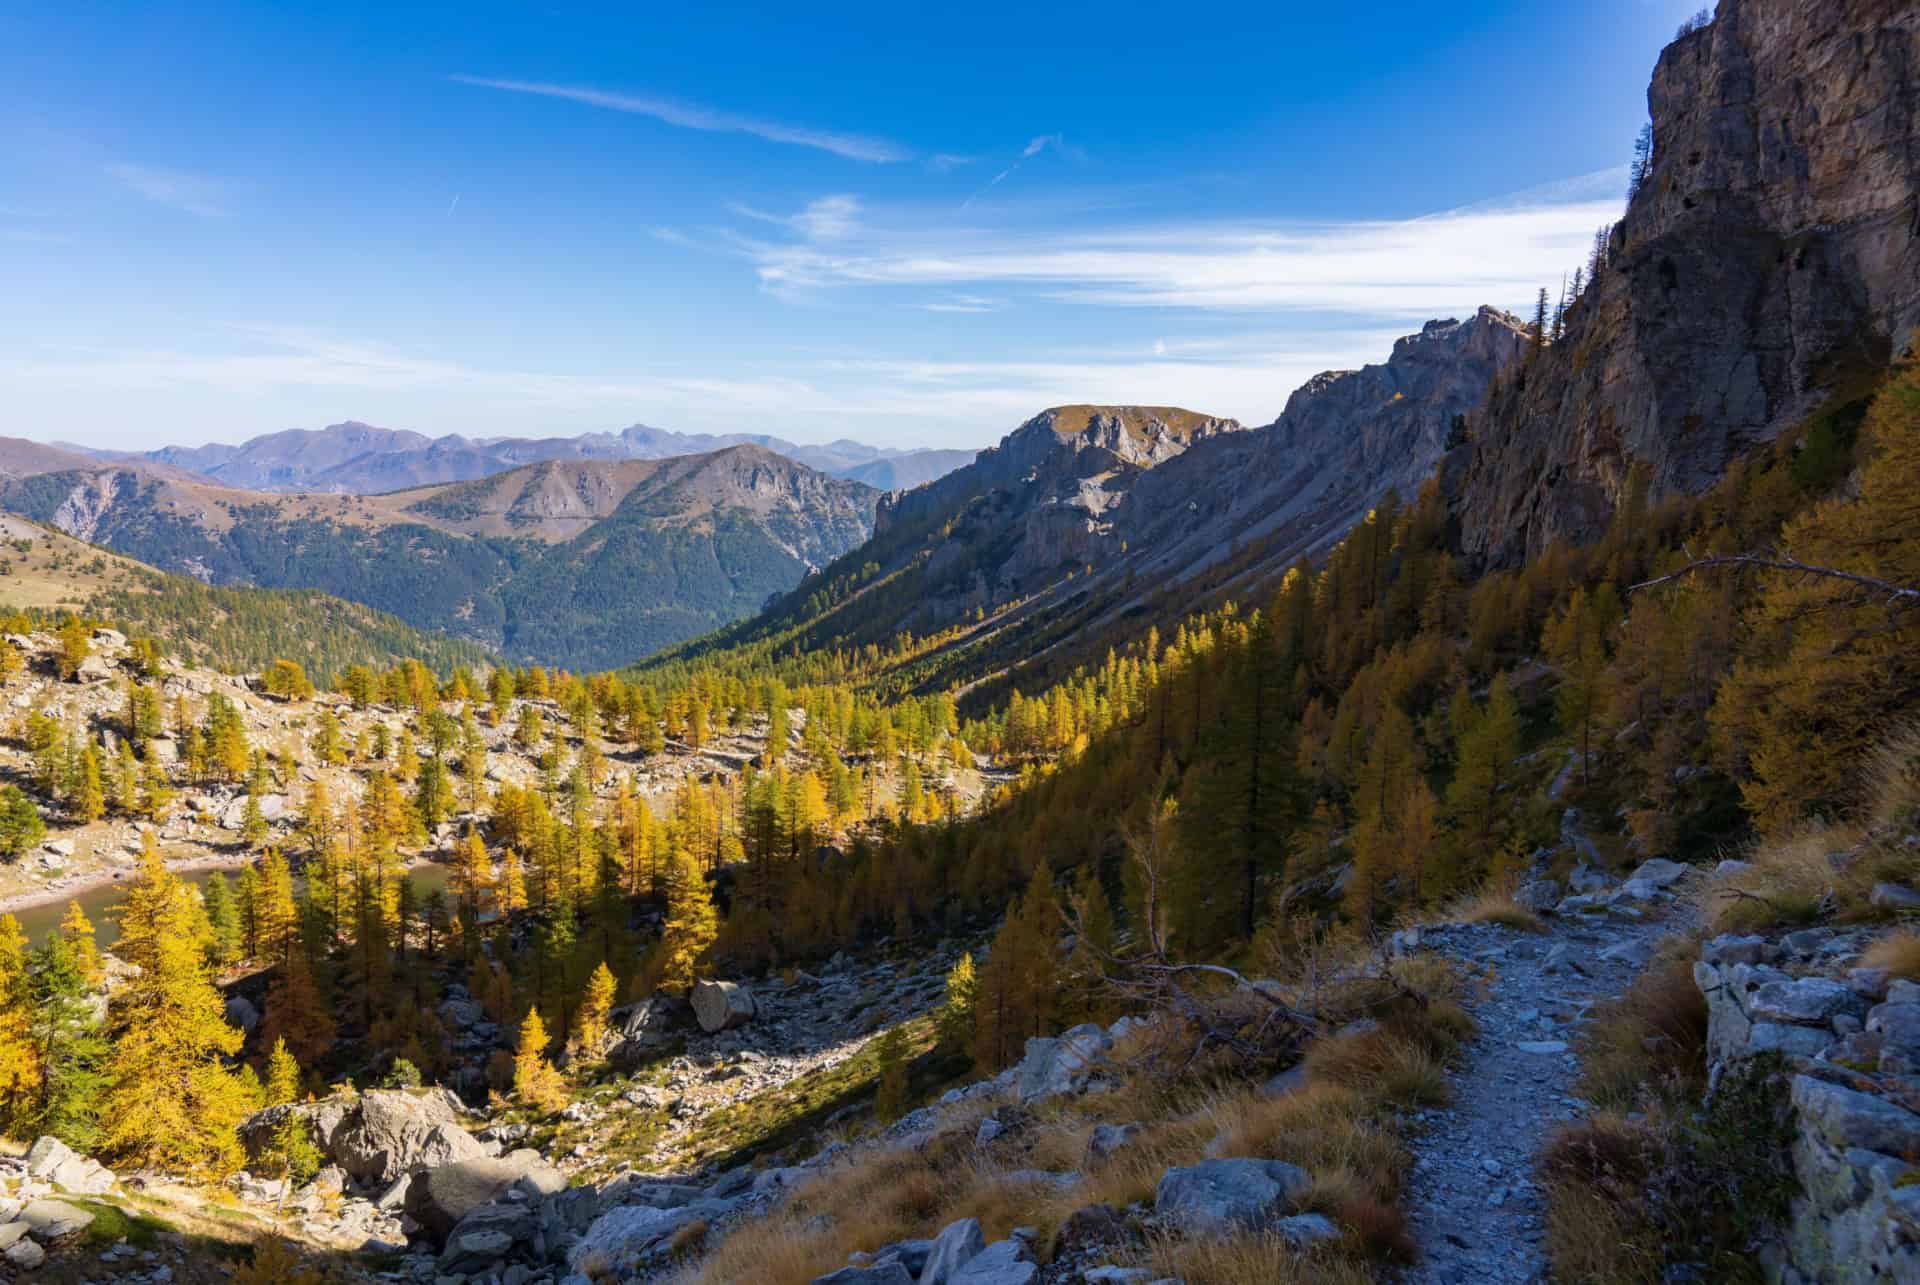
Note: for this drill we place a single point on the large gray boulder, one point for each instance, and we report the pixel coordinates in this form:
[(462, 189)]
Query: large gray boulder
[(439, 1198), (1004, 1262), (957, 1243), (721, 1006), (1053, 1067), (53, 1161), (389, 1132), (622, 1241), (888, 1273), (53, 1219), (1216, 1197)]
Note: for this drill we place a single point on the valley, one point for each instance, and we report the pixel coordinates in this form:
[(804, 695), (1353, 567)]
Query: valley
[(1463, 828)]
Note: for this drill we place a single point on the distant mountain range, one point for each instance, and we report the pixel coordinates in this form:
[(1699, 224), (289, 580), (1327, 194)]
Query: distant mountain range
[(582, 563), (353, 458)]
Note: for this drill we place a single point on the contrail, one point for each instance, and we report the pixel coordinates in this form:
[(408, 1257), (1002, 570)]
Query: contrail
[(455, 201)]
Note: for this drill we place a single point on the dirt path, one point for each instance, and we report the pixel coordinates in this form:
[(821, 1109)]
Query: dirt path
[(1477, 1213)]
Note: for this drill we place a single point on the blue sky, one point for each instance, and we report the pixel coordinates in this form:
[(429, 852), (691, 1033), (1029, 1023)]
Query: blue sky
[(913, 228)]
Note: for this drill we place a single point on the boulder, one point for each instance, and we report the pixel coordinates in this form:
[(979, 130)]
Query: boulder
[(888, 1273), (1005, 1262), (94, 669), (957, 1244), (487, 1234), (25, 1255), (1538, 895), (51, 1219), (1893, 896), (622, 1241), (1803, 1000), (53, 1161), (1106, 1139), (1215, 1197), (242, 1013), (389, 1132), (441, 1197), (1302, 1231), (721, 1006), (1660, 872), (1053, 1067), (1845, 1118)]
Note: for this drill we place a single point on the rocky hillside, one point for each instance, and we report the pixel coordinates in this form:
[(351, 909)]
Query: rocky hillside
[(583, 564), (360, 459), (1088, 521), (1769, 264)]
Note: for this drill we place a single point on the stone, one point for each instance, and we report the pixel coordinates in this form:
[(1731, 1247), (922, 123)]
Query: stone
[(1848, 1118), (1005, 1262), (25, 1255), (1659, 872), (1633, 952), (624, 1239), (721, 1006), (1728, 949), (1538, 895), (1894, 896), (53, 1161), (1106, 1139), (241, 1013), (1303, 1231), (440, 1197), (1289, 1082), (1088, 1227), (388, 1132), (888, 1273), (1214, 1197), (1542, 1048), (1897, 1025), (1054, 1067), (49, 1219), (1803, 1001), (956, 1245), (990, 1128)]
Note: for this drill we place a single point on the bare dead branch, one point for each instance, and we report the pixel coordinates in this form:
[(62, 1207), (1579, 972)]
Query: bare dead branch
[(1900, 594)]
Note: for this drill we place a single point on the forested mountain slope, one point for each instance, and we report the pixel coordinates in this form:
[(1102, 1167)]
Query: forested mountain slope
[(577, 563)]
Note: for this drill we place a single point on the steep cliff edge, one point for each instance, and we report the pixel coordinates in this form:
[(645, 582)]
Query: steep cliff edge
[(1769, 261)]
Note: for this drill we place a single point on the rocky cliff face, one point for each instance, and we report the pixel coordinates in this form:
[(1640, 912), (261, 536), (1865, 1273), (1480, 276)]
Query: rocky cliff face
[(1768, 262), (1345, 439)]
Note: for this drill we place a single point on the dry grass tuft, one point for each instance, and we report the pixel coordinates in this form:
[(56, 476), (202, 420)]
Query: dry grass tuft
[(1891, 797), (1494, 904), (1651, 1039), (1250, 1258), (1897, 951), (1788, 881)]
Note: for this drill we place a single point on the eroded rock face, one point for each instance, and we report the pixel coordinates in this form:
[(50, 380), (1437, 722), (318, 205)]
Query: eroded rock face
[(1772, 255)]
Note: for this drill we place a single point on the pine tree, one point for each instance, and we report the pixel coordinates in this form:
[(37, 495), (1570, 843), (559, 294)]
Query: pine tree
[(78, 931), (74, 643), (173, 1104), (535, 1082), (67, 1044), (223, 917), (892, 1052)]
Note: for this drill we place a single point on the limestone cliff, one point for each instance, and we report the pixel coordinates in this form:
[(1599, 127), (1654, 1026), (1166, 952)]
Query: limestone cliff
[(1768, 262)]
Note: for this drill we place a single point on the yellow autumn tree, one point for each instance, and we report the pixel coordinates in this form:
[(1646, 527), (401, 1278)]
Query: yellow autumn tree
[(590, 1024), (691, 923), (172, 1104), (535, 1082), (1832, 660), (20, 1070), (78, 930)]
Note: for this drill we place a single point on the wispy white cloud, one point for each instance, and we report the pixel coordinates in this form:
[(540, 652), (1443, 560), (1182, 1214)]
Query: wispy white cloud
[(960, 303), (946, 162), (1499, 253), (857, 147), (827, 218), (193, 193)]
